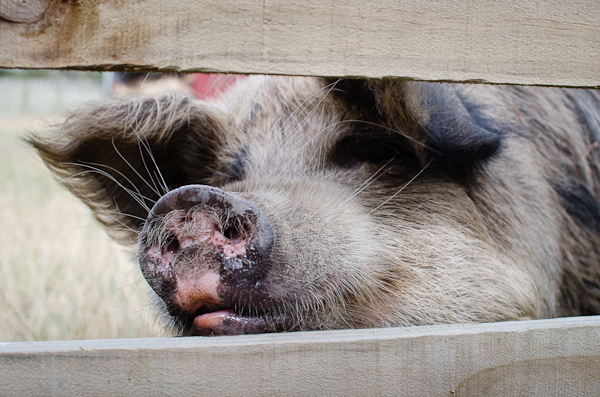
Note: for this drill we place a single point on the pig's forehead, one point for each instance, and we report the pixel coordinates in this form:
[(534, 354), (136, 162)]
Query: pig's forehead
[(274, 96), (290, 110)]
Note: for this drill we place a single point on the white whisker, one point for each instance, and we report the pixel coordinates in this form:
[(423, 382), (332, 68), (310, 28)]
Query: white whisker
[(98, 209), (136, 195), (154, 189), (366, 183), (293, 132), (292, 158), (401, 189)]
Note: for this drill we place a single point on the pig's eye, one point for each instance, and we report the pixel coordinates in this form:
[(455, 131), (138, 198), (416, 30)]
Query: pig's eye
[(354, 150)]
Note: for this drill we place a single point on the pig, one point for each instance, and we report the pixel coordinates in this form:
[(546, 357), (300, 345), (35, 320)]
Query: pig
[(301, 203)]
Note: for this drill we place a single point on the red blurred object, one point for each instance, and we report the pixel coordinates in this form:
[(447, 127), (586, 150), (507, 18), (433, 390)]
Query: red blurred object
[(208, 86)]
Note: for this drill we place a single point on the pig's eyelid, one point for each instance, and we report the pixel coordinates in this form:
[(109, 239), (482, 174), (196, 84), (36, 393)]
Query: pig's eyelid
[(401, 189), (310, 140), (397, 132), (353, 121)]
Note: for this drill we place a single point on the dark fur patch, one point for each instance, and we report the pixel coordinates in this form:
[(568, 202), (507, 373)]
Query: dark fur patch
[(580, 292), (580, 204), (456, 126), (585, 103), (441, 123)]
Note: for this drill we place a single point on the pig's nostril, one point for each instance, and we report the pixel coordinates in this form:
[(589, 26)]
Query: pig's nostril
[(236, 232), (172, 246), (232, 233), (234, 218)]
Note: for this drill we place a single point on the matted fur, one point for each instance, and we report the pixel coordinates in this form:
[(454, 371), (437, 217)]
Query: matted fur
[(394, 203)]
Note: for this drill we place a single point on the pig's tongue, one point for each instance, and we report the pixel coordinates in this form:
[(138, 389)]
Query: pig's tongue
[(225, 322)]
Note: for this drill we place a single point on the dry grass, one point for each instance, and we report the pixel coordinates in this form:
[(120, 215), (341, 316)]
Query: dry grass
[(60, 275)]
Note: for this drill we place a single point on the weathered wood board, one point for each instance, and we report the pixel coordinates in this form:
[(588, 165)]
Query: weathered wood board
[(559, 357), (535, 42)]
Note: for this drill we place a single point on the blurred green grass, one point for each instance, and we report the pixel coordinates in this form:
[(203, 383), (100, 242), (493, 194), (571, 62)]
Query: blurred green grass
[(61, 277)]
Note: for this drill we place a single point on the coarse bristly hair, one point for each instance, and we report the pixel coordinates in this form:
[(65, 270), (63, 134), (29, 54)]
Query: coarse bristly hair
[(393, 203)]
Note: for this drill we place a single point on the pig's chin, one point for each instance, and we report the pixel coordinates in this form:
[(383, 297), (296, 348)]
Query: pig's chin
[(226, 322)]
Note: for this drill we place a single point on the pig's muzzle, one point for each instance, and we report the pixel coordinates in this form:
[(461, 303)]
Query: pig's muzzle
[(208, 261)]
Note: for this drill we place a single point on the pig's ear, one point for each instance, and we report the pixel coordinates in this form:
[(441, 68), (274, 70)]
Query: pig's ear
[(120, 157), (438, 119)]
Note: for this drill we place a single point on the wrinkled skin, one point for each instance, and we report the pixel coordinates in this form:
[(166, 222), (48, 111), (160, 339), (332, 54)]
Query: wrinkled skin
[(305, 204)]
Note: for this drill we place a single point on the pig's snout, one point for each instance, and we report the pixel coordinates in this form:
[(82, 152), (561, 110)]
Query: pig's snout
[(204, 252)]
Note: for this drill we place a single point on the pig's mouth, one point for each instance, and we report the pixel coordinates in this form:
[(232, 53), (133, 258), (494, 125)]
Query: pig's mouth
[(216, 320), (227, 322)]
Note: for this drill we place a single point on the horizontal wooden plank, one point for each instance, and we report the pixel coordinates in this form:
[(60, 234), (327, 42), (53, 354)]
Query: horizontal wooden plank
[(559, 357), (548, 42)]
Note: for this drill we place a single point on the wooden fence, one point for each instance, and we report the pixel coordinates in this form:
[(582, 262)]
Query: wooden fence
[(534, 42), (530, 42), (559, 357)]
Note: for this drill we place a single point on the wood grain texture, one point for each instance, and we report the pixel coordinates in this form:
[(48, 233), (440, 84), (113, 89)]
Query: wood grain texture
[(535, 42), (559, 357)]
